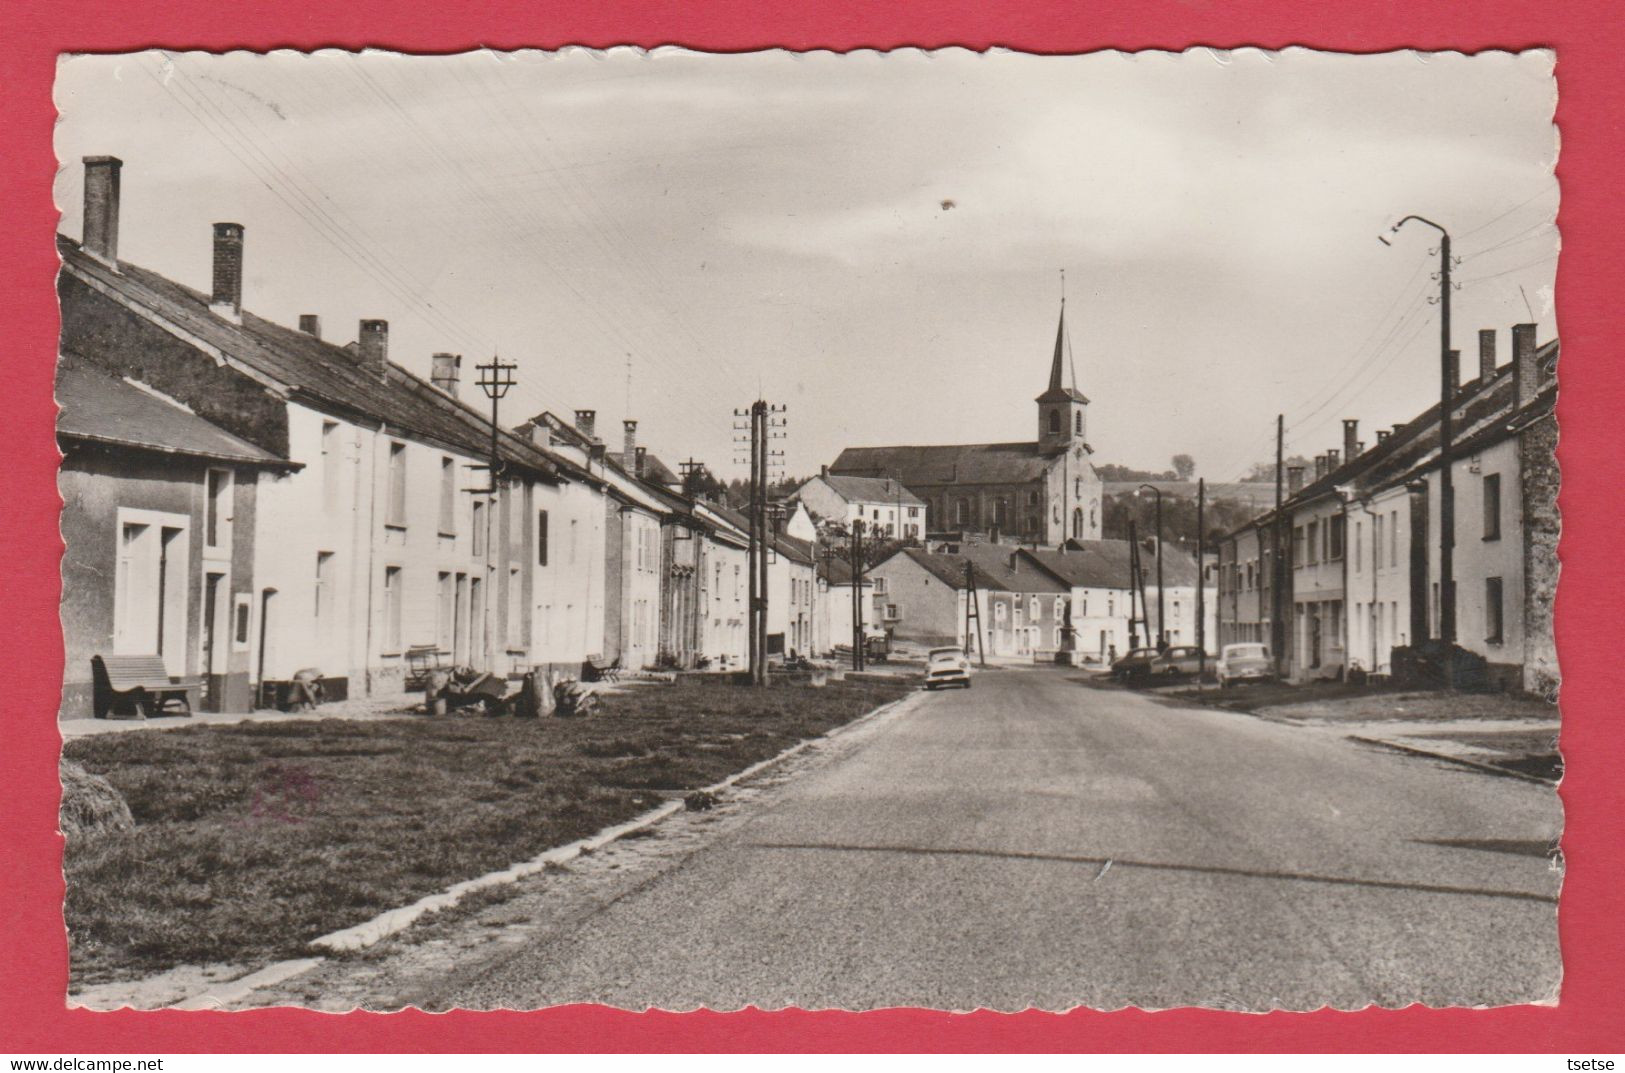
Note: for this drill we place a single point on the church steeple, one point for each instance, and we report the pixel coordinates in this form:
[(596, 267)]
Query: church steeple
[(1061, 407)]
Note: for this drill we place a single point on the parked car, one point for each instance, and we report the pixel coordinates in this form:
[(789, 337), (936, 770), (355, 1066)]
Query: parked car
[(1178, 660), (1134, 664), (946, 667), (1248, 662)]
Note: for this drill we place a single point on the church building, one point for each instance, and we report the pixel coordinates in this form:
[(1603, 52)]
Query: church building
[(1039, 491)]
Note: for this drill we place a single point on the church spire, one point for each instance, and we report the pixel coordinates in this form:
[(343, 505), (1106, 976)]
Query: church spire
[(1056, 383)]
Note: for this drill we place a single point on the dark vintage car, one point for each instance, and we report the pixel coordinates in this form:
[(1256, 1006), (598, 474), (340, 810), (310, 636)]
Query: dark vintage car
[(1134, 665), (1178, 661)]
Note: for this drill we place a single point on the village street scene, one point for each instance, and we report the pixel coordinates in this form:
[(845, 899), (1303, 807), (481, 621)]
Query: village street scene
[(543, 531)]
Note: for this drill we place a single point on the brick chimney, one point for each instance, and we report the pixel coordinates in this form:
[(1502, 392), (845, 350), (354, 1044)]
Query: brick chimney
[(629, 445), (372, 343), (1525, 369), (227, 298), (1333, 460), (1486, 355), (1294, 480), (1320, 466), (1351, 438), (310, 324), (1383, 434), (585, 420), (640, 461), (100, 234), (443, 372)]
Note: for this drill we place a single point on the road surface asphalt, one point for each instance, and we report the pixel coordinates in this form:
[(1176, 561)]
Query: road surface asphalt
[(1034, 842)]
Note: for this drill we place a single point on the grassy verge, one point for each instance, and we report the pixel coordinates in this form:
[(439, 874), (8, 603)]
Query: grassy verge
[(252, 839)]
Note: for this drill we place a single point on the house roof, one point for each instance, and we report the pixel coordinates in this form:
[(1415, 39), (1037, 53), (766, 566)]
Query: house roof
[(968, 463), (323, 374), (855, 489), (802, 551), (837, 571), (1483, 413), (1004, 562), (98, 407), (1104, 564), (949, 569)]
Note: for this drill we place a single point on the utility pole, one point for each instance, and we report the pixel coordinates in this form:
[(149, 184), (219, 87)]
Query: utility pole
[(1447, 492), (858, 653), (1277, 558), (1201, 583), (1133, 572), (973, 614), (1162, 623), (496, 379)]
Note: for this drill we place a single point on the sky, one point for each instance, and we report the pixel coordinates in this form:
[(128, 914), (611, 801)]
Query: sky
[(876, 241)]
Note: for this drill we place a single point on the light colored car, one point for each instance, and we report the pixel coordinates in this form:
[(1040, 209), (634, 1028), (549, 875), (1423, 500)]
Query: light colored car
[(1248, 662), (946, 667)]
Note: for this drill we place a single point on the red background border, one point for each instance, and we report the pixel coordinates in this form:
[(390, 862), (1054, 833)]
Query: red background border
[(1589, 37)]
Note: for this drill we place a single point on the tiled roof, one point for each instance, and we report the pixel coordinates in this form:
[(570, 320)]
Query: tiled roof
[(102, 408), (323, 374), (950, 569), (1104, 564), (969, 463), (870, 489), (1004, 562)]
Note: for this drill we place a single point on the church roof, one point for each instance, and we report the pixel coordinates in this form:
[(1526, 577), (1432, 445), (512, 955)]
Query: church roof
[(963, 463)]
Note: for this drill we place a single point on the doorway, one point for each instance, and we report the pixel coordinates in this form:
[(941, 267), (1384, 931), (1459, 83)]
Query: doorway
[(214, 670)]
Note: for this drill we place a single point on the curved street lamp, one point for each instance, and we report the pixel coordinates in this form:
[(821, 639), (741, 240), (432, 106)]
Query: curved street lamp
[(1447, 492)]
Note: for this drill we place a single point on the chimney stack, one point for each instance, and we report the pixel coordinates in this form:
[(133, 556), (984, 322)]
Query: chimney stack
[(227, 299), (1525, 369), (310, 324), (1294, 480), (1383, 434), (640, 461), (1351, 438), (444, 372), (100, 234), (1320, 466), (585, 420), (823, 471), (1333, 460), (629, 445), (1486, 355), (373, 344)]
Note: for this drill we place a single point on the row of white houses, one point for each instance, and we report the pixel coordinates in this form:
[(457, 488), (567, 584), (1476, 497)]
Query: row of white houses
[(1349, 569), (246, 501)]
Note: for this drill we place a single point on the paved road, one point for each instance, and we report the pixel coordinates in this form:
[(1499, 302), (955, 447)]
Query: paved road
[(1033, 842)]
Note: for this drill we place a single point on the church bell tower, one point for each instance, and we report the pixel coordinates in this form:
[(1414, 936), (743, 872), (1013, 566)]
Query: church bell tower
[(1061, 409)]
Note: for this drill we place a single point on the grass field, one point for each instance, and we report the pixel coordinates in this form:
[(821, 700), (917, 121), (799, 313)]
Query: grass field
[(252, 839)]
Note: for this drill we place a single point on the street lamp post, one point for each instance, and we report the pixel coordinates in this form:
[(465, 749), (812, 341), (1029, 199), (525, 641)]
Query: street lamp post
[(1162, 627), (1447, 492), (496, 379)]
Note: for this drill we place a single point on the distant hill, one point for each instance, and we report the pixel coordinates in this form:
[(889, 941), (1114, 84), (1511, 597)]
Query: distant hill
[(1258, 495)]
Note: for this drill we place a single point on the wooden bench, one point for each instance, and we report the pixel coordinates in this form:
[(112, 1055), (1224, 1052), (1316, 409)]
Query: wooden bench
[(140, 684), (422, 661), (595, 669)]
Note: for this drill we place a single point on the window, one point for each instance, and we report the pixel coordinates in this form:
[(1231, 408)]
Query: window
[(1358, 558), (880, 586), (1376, 539), (1335, 527), (324, 587), (217, 530), (395, 515), (331, 458), (1054, 422), (1393, 538), (392, 609), (962, 511), (1033, 608), (1492, 506), (1297, 546), (477, 527), (1078, 424), (1060, 608), (998, 611), (914, 512), (541, 538), (446, 596), (448, 497), (1494, 616), (515, 600), (1312, 541)]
